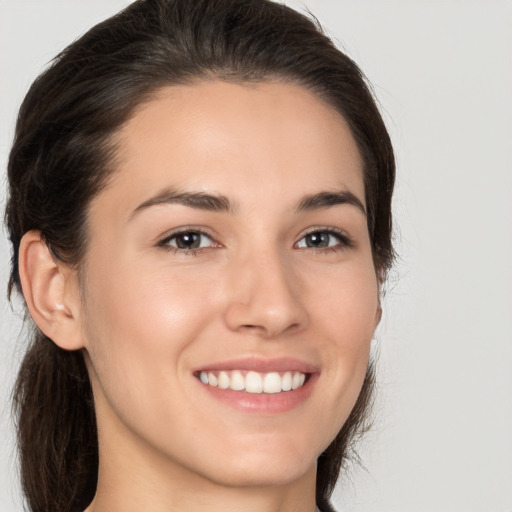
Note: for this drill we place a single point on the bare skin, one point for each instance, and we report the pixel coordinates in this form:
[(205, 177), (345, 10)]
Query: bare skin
[(271, 277)]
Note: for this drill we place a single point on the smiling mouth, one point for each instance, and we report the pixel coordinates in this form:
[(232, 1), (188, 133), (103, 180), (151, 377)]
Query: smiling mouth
[(254, 382)]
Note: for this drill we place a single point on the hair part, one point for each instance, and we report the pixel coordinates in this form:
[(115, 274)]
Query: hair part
[(64, 153)]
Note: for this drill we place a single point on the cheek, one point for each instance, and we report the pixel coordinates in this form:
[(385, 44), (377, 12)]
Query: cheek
[(138, 321), (347, 306), (346, 313), (146, 311), (140, 327)]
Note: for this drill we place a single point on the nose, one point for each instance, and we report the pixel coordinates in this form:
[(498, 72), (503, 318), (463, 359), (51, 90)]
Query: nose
[(265, 297)]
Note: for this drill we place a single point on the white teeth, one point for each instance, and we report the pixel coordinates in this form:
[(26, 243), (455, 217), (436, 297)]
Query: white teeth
[(298, 380), (223, 380), (253, 382), (212, 379), (272, 383), (237, 381), (286, 383)]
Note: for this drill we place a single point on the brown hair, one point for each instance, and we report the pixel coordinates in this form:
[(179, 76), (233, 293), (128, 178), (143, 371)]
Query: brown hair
[(63, 155)]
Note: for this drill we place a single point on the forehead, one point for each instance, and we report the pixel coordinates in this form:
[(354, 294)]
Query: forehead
[(252, 142)]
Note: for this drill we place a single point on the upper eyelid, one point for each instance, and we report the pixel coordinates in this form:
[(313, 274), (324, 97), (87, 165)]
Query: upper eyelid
[(345, 241), (326, 229), (186, 229), (332, 229)]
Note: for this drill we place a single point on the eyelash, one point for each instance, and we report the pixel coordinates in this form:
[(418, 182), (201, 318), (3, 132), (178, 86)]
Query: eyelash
[(188, 252), (344, 241)]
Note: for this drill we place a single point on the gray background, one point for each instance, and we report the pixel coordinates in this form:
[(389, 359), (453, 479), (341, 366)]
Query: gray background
[(442, 72)]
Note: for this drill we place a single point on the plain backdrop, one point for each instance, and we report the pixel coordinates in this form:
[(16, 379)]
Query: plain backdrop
[(442, 72)]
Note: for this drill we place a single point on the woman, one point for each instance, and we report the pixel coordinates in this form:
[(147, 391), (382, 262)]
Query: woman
[(199, 208)]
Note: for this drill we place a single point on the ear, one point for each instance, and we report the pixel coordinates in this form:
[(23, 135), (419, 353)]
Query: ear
[(51, 292), (378, 315)]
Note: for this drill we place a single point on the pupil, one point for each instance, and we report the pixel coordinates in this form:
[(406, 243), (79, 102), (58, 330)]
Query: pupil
[(317, 240), (187, 241)]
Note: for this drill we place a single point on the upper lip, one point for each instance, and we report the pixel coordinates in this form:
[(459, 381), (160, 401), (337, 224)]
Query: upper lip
[(261, 365)]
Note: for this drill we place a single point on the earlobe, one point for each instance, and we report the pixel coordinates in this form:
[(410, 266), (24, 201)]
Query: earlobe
[(49, 291), (378, 314)]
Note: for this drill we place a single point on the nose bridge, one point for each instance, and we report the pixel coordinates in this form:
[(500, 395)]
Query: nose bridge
[(265, 297)]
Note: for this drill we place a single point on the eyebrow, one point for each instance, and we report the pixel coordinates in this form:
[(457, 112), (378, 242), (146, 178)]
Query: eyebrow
[(220, 203), (197, 200), (328, 199)]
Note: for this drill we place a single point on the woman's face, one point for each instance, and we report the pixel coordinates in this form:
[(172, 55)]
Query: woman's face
[(230, 245)]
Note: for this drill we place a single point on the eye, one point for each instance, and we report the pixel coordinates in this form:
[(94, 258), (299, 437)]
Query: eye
[(188, 241), (324, 239)]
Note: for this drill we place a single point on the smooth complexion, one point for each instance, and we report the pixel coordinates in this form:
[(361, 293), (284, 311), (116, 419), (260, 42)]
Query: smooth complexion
[(272, 274)]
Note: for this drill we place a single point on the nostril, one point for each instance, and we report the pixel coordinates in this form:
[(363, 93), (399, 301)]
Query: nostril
[(267, 330), (249, 327)]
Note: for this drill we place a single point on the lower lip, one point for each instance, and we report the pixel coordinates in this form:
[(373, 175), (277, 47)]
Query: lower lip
[(266, 403)]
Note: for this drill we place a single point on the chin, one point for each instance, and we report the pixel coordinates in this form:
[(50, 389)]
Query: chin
[(261, 468), (269, 475)]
